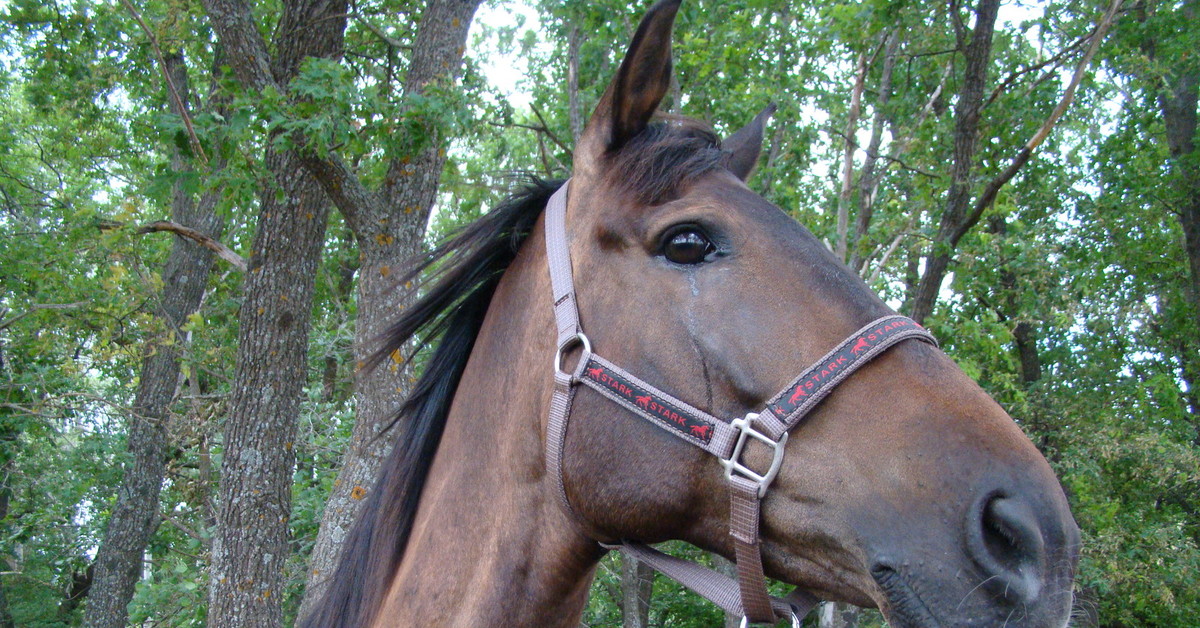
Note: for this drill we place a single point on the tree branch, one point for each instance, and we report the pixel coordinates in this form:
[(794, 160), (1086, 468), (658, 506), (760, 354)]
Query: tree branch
[(843, 206), (1016, 74), (245, 48), (546, 129), (342, 186), (868, 180), (176, 99), (892, 158), (993, 188), (36, 307), (384, 37), (202, 239)]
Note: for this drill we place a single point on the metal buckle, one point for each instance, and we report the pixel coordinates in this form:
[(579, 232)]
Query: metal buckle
[(733, 463), (569, 343)]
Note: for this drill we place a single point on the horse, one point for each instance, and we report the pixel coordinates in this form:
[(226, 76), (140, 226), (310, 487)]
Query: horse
[(905, 487)]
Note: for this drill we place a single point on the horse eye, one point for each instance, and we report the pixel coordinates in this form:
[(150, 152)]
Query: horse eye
[(687, 246)]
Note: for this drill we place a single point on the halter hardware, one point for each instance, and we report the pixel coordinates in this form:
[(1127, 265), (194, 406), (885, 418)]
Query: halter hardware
[(580, 339), (733, 464), (795, 621)]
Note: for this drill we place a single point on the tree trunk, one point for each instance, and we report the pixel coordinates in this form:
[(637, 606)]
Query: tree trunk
[(723, 566), (389, 233), (250, 546), (1178, 98), (81, 585), (847, 188), (868, 180), (637, 583), (956, 219), (574, 107), (838, 615), (134, 518), (8, 438), (6, 620), (966, 131), (254, 499)]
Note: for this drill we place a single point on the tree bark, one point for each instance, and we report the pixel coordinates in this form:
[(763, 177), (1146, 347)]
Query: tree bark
[(868, 180), (966, 131), (250, 546), (8, 438), (847, 188), (838, 615), (574, 107), (389, 233), (723, 566), (637, 583), (254, 498), (134, 517)]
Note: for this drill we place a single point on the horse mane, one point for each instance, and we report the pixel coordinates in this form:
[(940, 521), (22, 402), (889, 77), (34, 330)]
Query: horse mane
[(464, 273), (468, 268)]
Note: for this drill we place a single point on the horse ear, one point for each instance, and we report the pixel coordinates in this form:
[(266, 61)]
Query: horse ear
[(641, 82), (745, 145)]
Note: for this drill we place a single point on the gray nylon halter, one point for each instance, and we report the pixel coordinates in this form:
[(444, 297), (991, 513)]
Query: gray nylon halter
[(747, 596)]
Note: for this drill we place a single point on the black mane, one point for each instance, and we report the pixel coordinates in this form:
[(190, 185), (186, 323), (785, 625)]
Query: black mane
[(470, 266)]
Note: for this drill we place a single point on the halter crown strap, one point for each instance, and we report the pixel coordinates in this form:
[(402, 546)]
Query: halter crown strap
[(566, 314), (726, 440)]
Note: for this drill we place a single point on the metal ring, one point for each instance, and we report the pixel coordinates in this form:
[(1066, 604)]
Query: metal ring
[(580, 339)]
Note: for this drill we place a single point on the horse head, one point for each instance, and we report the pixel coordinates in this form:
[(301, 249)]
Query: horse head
[(908, 488)]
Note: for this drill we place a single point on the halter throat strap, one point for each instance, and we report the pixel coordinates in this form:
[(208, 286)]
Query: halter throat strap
[(747, 596)]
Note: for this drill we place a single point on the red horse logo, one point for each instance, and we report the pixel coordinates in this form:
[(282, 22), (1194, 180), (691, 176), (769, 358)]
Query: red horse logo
[(644, 402), (860, 346), (702, 431), (798, 394), (595, 373)]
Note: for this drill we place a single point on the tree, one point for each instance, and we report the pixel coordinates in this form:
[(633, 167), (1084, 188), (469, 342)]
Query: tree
[(251, 540), (185, 277), (389, 230)]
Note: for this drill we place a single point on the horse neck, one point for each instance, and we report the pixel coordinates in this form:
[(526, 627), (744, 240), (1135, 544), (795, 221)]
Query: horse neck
[(491, 545)]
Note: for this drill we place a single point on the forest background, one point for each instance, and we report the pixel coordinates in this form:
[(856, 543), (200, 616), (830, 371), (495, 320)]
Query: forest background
[(204, 207)]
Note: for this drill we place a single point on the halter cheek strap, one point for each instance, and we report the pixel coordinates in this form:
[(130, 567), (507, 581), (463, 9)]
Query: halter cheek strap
[(747, 596)]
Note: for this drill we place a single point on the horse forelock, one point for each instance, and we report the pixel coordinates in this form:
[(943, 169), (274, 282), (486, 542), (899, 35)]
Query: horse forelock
[(668, 154)]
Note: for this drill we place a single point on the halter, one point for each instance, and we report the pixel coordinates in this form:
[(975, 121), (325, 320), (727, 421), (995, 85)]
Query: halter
[(747, 597)]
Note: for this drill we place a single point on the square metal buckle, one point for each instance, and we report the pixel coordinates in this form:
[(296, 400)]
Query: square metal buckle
[(733, 463)]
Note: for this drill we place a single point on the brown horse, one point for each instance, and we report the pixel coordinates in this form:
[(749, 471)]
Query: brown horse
[(907, 488)]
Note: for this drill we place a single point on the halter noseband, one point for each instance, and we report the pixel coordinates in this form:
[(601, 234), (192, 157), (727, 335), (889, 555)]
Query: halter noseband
[(726, 440)]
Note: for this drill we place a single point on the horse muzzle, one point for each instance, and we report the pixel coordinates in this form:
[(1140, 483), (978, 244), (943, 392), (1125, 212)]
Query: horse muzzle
[(1015, 568)]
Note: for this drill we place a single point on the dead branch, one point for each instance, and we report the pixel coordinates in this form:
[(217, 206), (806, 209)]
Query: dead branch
[(202, 239)]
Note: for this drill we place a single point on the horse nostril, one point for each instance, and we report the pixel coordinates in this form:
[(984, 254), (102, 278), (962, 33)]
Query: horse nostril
[(1005, 540)]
